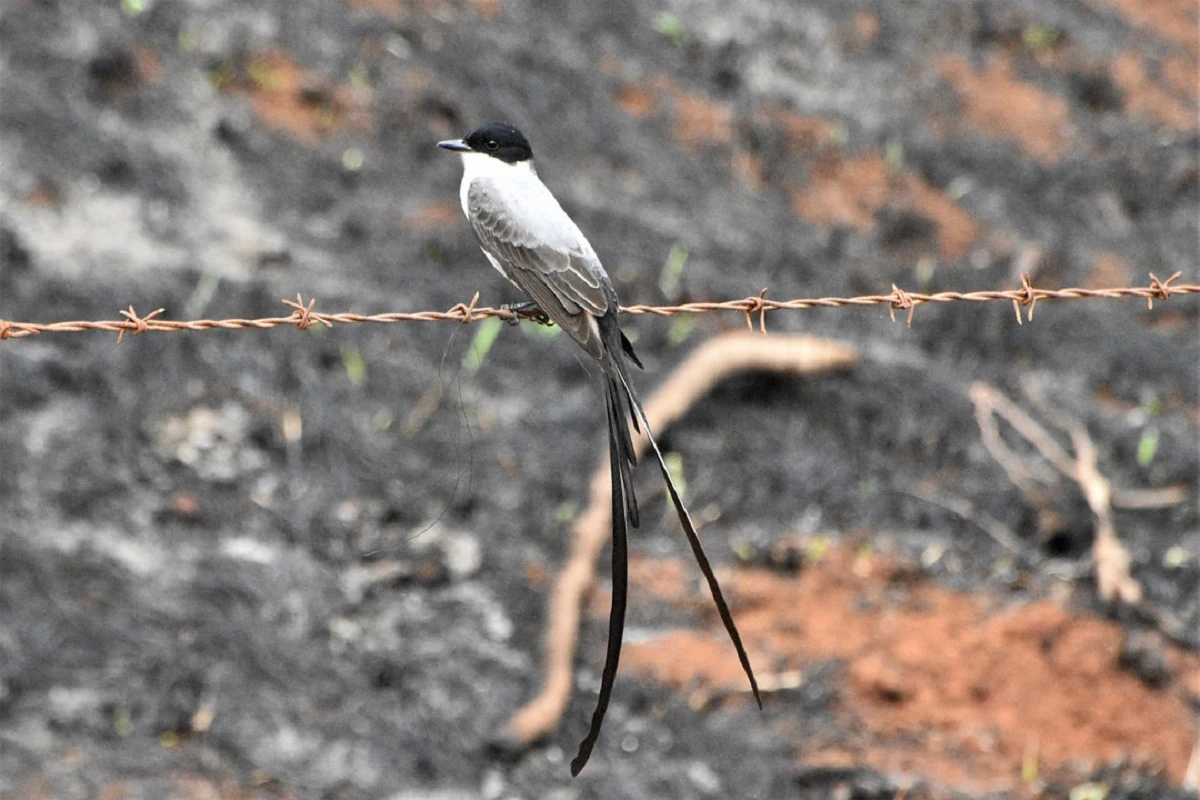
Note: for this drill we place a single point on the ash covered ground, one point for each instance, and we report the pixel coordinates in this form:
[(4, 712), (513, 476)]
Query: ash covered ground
[(315, 564)]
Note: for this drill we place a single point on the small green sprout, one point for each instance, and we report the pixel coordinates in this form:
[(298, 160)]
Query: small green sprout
[(485, 336), (1039, 39), (359, 77), (1174, 558), (565, 512), (265, 77), (681, 327), (535, 331), (202, 295), (672, 28), (356, 366), (1029, 763), (221, 76), (1147, 447), (189, 39), (745, 550), (122, 723), (893, 155), (674, 462), (672, 271), (1089, 791), (352, 159), (818, 546)]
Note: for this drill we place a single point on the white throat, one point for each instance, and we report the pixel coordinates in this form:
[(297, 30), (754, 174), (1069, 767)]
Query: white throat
[(481, 165)]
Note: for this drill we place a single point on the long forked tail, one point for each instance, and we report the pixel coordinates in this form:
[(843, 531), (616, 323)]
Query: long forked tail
[(621, 459), (624, 410), (689, 530)]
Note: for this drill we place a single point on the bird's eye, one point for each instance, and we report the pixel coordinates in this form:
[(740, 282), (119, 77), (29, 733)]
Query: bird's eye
[(492, 144)]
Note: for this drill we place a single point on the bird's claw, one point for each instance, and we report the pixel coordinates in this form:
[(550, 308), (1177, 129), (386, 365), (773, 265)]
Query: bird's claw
[(527, 310)]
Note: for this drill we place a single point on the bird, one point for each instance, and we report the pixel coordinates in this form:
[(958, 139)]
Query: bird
[(528, 237)]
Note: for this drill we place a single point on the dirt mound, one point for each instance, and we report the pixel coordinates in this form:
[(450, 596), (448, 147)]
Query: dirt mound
[(971, 691)]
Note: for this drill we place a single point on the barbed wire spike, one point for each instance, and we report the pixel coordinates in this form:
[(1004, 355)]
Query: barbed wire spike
[(757, 305), (466, 310), (304, 313), (1030, 299), (139, 324), (902, 300), (1162, 289)]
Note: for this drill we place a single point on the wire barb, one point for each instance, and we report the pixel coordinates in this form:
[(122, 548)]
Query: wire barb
[(1030, 299), (136, 324), (303, 314), (466, 311), (1160, 289), (757, 305), (902, 300)]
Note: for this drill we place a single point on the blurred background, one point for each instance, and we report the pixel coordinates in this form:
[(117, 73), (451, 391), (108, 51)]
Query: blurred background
[(316, 564)]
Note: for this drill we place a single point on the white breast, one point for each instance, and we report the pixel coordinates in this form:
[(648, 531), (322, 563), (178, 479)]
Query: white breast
[(526, 200)]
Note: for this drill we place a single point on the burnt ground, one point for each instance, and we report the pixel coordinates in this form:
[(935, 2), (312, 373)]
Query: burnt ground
[(280, 564)]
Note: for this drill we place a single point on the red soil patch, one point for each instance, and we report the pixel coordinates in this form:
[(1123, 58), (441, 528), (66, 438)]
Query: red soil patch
[(941, 683), (803, 132), (44, 194), (149, 66), (389, 8), (846, 192), (488, 9), (852, 191), (749, 169), (1169, 100), (434, 216), (994, 102), (287, 99), (1182, 75), (697, 120), (1176, 21), (1109, 270), (866, 28), (636, 101), (700, 121)]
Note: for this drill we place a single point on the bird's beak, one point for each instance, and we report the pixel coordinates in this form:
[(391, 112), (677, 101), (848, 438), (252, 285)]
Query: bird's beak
[(457, 145)]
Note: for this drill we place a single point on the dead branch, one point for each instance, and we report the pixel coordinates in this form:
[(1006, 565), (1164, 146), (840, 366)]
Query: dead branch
[(1112, 560)]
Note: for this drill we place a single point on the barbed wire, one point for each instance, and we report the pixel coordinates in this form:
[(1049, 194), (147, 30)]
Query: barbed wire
[(304, 316)]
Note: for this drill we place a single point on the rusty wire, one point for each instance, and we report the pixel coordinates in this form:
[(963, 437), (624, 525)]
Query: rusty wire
[(303, 316)]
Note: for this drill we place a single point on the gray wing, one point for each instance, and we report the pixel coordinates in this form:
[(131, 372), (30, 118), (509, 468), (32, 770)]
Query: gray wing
[(568, 283)]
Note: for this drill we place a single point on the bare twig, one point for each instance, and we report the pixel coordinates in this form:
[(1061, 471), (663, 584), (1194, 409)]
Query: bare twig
[(989, 401), (1112, 560), (1132, 499), (965, 509), (1191, 776)]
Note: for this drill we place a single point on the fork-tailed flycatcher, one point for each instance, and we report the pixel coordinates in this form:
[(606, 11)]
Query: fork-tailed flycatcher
[(527, 236)]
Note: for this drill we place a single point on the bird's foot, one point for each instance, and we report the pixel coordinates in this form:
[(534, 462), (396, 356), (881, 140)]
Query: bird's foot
[(527, 310)]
